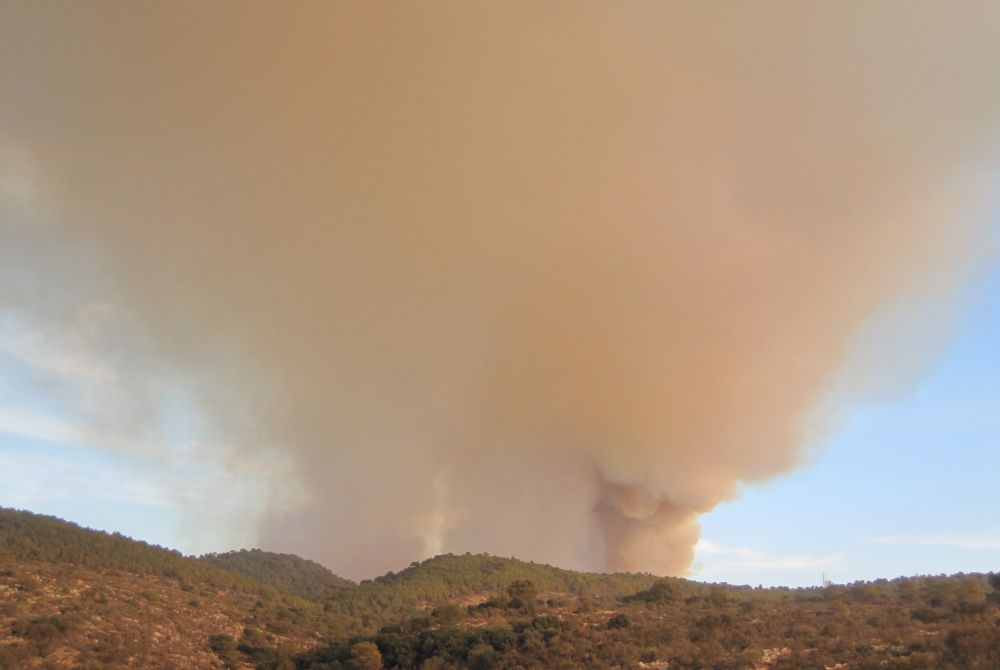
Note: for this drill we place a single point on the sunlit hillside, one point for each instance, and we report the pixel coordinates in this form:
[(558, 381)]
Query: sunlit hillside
[(71, 597)]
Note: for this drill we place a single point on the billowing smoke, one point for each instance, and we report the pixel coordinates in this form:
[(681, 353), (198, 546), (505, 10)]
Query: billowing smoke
[(542, 279)]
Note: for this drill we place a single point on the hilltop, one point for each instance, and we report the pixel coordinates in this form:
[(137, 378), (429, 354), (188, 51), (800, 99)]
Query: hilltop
[(76, 597), (474, 578), (72, 597), (286, 572)]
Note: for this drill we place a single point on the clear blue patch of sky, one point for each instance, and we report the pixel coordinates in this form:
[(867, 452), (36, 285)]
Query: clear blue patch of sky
[(97, 488), (923, 467)]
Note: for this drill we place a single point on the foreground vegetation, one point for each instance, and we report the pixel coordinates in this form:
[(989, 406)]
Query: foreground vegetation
[(76, 598)]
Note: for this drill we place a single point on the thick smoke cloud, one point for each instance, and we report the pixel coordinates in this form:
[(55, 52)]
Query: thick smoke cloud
[(542, 279)]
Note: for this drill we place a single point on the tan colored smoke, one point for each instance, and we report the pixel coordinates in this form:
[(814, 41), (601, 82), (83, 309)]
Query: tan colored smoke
[(544, 279)]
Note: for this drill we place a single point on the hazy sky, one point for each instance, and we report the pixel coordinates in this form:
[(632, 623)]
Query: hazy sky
[(572, 281), (906, 485)]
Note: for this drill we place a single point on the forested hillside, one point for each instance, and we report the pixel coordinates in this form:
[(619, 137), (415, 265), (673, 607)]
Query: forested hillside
[(77, 598), (285, 572), (474, 579), (929, 623), (38, 538), (74, 597)]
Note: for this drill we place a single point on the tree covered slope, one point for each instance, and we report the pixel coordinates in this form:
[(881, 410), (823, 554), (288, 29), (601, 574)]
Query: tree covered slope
[(72, 597), (473, 578), (286, 572)]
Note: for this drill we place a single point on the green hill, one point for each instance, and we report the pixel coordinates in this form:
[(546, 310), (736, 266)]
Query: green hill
[(75, 597), (473, 578), (71, 597), (286, 572), (39, 538)]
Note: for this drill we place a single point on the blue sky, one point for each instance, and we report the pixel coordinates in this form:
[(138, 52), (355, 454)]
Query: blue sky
[(906, 483), (52, 461)]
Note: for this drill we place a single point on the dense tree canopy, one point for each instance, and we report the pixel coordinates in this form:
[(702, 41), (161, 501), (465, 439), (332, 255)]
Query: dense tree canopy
[(286, 572)]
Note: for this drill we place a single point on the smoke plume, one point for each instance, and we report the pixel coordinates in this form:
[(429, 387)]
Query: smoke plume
[(543, 279)]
